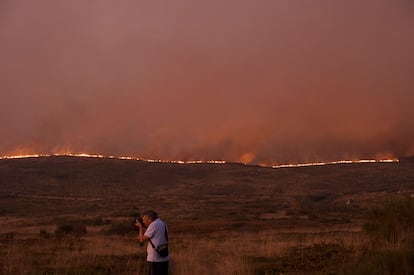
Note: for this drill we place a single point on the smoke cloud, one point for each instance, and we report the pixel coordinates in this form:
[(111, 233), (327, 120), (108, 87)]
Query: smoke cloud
[(254, 81)]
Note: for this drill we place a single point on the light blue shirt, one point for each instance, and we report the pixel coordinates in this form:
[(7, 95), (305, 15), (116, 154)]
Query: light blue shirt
[(156, 232)]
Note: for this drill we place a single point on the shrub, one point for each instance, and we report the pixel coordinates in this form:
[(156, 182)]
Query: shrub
[(99, 221), (391, 230), (393, 224), (384, 262), (121, 228), (69, 229), (44, 234)]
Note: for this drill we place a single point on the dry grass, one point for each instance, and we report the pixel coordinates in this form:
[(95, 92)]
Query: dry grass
[(263, 252), (223, 219), (237, 253)]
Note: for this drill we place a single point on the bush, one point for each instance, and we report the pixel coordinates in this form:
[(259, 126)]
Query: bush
[(393, 224), (384, 262), (69, 229), (121, 228), (391, 231), (99, 221), (44, 234)]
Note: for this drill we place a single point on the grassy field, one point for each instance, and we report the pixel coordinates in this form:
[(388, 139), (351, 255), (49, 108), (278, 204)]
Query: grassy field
[(74, 215)]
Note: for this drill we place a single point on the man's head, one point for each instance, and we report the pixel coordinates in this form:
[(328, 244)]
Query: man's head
[(148, 216)]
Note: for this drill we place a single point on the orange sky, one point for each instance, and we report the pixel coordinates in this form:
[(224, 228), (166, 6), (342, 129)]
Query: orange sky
[(265, 81)]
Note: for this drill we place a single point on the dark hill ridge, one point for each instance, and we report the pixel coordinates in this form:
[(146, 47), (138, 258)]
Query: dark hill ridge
[(61, 185)]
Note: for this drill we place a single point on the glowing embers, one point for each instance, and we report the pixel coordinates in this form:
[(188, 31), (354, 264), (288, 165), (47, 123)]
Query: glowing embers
[(334, 162), (23, 156), (202, 161)]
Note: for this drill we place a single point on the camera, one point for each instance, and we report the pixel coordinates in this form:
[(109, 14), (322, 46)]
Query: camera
[(139, 219)]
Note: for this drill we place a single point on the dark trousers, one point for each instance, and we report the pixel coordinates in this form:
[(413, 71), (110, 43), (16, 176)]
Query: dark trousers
[(157, 268)]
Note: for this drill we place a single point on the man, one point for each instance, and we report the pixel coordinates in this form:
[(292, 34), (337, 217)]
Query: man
[(153, 230)]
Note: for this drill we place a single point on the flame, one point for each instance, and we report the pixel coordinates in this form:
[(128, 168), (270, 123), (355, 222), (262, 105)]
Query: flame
[(246, 156), (335, 162)]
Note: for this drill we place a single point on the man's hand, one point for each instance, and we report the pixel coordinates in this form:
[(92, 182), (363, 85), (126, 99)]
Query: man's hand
[(138, 224)]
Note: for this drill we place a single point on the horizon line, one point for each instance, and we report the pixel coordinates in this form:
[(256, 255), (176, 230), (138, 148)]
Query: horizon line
[(288, 165)]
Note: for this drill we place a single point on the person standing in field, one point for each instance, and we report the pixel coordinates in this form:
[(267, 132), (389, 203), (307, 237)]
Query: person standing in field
[(154, 231)]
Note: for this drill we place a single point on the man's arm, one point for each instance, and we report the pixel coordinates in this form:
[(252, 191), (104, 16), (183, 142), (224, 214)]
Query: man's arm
[(142, 237)]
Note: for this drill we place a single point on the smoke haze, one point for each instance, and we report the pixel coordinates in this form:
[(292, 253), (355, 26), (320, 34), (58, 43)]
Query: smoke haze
[(252, 81)]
